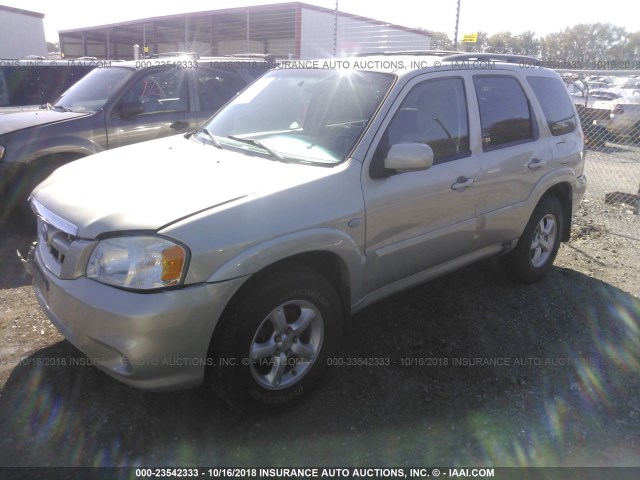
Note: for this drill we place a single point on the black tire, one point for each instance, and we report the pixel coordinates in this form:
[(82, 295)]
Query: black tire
[(538, 246), (15, 209), (23, 183), (32, 178), (272, 345)]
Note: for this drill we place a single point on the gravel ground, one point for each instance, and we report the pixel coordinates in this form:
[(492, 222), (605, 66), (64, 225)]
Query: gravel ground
[(476, 371)]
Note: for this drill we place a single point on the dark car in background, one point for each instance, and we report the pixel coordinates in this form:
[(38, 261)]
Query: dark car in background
[(37, 82), (126, 103)]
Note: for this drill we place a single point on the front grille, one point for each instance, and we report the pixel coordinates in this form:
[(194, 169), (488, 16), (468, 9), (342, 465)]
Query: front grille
[(63, 253), (54, 245)]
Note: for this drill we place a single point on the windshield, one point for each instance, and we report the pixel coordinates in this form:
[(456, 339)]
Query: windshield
[(313, 116), (92, 91)]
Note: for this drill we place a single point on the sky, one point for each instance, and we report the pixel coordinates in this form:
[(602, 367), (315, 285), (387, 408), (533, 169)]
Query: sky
[(491, 16)]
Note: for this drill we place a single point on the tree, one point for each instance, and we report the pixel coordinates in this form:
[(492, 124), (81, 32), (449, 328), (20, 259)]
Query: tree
[(585, 45), (631, 51), (441, 41), (526, 44), (502, 42), (53, 47)]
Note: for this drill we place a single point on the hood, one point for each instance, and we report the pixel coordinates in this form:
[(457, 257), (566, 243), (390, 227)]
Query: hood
[(149, 185), (14, 120), (19, 108)]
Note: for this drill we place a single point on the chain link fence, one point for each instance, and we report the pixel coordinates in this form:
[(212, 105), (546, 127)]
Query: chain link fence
[(608, 103)]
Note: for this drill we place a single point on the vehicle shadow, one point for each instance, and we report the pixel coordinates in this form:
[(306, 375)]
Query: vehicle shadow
[(469, 369), (609, 147)]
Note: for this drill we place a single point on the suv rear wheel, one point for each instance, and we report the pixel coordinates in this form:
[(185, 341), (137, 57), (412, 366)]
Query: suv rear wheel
[(273, 344), (538, 246)]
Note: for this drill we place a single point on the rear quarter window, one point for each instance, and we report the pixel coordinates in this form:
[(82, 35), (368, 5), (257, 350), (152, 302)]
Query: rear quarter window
[(555, 103)]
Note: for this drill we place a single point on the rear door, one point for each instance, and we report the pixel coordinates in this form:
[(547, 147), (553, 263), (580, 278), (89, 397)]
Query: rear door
[(513, 159), (560, 118)]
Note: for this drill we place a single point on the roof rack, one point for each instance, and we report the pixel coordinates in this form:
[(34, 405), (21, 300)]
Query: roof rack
[(266, 56), (408, 52), (497, 57), (195, 55)]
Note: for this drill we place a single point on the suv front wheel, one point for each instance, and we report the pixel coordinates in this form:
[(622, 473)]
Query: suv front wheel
[(273, 344), (538, 246)]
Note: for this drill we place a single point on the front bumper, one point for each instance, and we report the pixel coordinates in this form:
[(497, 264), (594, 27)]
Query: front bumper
[(152, 341)]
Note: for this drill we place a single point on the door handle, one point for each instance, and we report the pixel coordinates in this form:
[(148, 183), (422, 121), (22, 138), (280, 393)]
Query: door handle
[(462, 183), (536, 163), (179, 125)]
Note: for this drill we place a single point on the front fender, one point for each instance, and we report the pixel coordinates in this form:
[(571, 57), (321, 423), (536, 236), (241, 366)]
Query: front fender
[(80, 136), (260, 256), (49, 152), (72, 146)]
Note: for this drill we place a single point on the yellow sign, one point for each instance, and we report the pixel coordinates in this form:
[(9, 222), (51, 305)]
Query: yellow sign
[(146, 49), (470, 38)]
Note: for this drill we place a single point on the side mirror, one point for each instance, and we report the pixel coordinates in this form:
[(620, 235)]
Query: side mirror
[(130, 109), (409, 157)]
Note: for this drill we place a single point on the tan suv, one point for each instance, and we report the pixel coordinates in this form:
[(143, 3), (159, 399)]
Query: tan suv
[(235, 255)]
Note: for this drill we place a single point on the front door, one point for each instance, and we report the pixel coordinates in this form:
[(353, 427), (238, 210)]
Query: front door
[(418, 220), (154, 106)]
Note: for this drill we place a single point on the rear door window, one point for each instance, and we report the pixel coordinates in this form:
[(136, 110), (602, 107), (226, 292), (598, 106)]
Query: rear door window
[(505, 113)]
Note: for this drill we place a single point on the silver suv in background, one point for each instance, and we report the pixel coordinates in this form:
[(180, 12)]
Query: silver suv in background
[(234, 255)]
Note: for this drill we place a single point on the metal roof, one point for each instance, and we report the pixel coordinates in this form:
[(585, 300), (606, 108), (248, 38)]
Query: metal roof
[(20, 11), (272, 8)]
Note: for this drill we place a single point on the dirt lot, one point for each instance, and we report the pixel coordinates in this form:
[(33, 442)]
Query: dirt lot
[(562, 389)]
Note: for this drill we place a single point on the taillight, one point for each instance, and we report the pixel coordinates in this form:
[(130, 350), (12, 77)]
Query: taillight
[(618, 109)]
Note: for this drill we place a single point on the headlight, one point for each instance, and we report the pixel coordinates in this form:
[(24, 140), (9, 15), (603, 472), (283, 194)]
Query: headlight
[(137, 262)]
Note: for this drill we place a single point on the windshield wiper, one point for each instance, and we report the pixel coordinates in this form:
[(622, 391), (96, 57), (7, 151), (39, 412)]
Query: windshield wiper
[(211, 138), (58, 107), (259, 144)]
